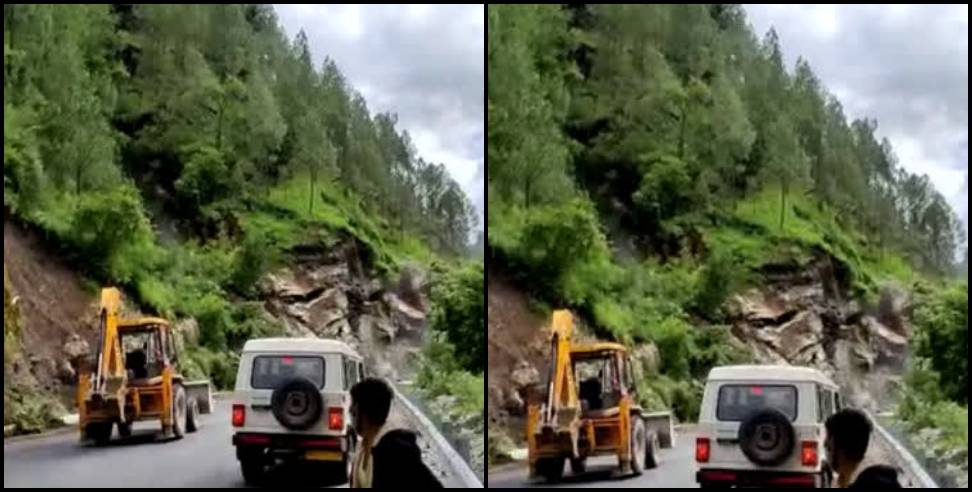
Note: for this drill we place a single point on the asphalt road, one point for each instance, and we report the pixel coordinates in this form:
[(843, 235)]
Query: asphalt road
[(202, 459), (677, 470)]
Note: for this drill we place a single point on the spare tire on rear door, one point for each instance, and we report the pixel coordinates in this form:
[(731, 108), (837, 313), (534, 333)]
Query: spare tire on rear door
[(766, 437), (297, 404)]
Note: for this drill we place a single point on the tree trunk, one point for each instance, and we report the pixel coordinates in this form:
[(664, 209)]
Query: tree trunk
[(219, 127), (526, 192), (310, 200), (681, 132), (782, 201)]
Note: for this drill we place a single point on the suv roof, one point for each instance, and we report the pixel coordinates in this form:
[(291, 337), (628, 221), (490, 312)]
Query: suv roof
[(769, 373), (313, 345)]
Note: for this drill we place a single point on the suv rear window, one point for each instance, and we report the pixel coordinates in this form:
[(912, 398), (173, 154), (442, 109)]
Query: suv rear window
[(737, 401), (269, 371)]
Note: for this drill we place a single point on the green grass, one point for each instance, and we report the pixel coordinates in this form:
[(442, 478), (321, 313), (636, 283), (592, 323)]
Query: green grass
[(752, 232), (285, 216)]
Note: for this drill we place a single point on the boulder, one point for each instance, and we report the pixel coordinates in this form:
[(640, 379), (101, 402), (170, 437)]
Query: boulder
[(892, 308), (524, 374), (75, 347), (329, 307), (798, 335), (338, 328), (66, 372), (891, 348), (284, 284), (412, 282), (752, 305), (330, 275), (406, 316)]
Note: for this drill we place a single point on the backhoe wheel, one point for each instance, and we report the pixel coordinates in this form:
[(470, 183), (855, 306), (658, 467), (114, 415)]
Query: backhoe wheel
[(178, 411), (578, 465), (192, 416), (99, 432), (637, 445), (652, 447), (551, 469), (125, 429)]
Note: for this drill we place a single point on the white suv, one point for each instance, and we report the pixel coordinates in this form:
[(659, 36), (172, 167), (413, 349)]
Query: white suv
[(291, 402), (764, 426)]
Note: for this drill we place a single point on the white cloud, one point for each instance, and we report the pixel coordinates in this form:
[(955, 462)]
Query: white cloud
[(904, 65), (424, 62)]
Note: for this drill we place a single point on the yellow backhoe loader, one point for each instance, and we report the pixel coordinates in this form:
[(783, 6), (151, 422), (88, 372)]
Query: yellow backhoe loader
[(591, 409), (136, 377)]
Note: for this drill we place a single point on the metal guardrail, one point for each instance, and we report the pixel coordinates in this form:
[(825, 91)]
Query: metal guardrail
[(455, 462), (904, 459)]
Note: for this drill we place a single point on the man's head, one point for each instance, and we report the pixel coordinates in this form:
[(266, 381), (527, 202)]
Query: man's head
[(848, 434), (370, 402)]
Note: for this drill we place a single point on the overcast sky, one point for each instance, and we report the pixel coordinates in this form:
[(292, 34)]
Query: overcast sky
[(425, 63), (906, 66)]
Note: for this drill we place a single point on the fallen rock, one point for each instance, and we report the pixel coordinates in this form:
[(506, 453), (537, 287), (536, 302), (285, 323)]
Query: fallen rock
[(75, 347), (524, 374), (892, 308), (329, 275), (66, 372), (404, 314), (796, 336), (752, 305), (412, 282), (330, 306), (513, 403), (891, 347), (284, 284), (337, 329)]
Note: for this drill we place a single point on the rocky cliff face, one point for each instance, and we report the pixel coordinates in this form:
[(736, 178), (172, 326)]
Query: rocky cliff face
[(804, 316), (326, 293)]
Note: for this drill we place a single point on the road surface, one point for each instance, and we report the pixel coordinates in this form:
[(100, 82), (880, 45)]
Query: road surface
[(677, 470), (203, 459)]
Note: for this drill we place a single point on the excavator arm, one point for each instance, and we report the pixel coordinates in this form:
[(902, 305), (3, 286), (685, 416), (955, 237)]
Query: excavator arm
[(562, 389), (110, 362), (555, 424)]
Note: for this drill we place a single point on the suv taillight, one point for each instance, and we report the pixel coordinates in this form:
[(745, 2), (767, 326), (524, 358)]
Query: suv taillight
[(808, 453), (239, 415), (335, 418), (702, 450)]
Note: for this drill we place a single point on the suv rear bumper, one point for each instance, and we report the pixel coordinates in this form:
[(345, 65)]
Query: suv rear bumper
[(758, 478), (250, 442)]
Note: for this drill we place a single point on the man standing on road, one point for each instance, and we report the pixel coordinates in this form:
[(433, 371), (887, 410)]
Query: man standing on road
[(848, 434), (388, 457)]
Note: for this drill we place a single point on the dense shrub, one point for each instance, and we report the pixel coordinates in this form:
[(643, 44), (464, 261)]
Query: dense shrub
[(459, 312)]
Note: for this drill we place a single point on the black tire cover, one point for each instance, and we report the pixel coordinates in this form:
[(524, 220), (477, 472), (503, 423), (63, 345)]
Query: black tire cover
[(296, 404), (766, 437)]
